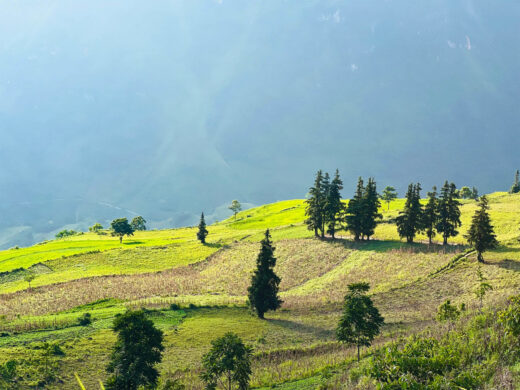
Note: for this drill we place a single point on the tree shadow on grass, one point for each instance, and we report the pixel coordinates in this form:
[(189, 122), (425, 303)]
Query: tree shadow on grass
[(213, 245), (388, 245), (298, 327), (509, 265), (133, 242)]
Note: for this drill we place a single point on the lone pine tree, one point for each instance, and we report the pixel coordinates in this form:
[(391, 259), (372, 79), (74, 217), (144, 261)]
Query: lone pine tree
[(481, 234), (360, 321), (203, 232), (409, 222), (263, 292), (430, 214), (448, 212)]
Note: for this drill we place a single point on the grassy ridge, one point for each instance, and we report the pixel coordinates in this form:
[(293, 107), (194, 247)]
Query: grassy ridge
[(293, 346)]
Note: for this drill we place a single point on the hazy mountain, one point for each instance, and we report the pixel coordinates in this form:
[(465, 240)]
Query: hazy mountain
[(168, 108)]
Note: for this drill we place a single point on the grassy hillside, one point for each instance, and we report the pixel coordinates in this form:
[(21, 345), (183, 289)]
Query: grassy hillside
[(294, 347)]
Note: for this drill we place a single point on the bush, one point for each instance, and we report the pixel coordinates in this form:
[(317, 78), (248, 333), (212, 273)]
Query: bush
[(174, 306), (85, 319), (66, 233)]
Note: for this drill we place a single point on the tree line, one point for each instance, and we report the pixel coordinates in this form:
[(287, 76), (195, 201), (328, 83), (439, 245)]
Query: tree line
[(326, 213)]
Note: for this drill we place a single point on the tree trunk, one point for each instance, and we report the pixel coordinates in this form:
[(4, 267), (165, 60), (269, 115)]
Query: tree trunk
[(120, 239), (316, 232), (480, 258), (445, 240), (430, 239), (358, 352)]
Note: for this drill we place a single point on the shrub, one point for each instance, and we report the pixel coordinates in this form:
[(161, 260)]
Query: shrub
[(85, 319), (66, 233), (174, 306)]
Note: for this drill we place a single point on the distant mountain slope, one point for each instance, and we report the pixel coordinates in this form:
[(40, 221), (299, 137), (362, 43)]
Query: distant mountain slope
[(166, 109)]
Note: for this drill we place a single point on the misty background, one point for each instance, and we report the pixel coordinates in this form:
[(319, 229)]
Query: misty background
[(168, 108)]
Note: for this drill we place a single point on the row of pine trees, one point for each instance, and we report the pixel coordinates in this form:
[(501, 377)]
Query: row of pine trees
[(441, 214), (326, 213)]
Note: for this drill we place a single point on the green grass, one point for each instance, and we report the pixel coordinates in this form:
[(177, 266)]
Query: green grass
[(95, 274)]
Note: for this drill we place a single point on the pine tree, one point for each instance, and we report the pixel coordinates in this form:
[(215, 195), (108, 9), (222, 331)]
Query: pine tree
[(203, 232), (480, 233), (354, 212), (315, 204), (448, 212), (370, 209), (334, 206), (430, 215), (263, 292), (516, 185), (410, 220), (325, 190)]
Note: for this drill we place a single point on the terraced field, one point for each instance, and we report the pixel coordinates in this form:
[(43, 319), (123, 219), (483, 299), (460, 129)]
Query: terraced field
[(294, 347)]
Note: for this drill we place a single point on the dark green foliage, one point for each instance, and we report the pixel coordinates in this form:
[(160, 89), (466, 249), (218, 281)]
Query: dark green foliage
[(515, 188), (389, 194), (8, 375), (138, 223), (360, 321), (174, 384), (228, 363), (121, 227), (137, 350), (410, 220), (421, 364), (430, 215), (481, 234), (510, 317), (324, 206), (355, 212), (325, 189), (66, 233), (315, 205), (448, 212), (263, 292), (468, 193), (203, 232), (465, 193), (370, 209), (85, 319), (333, 205), (96, 228), (447, 312), (467, 358), (235, 207)]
